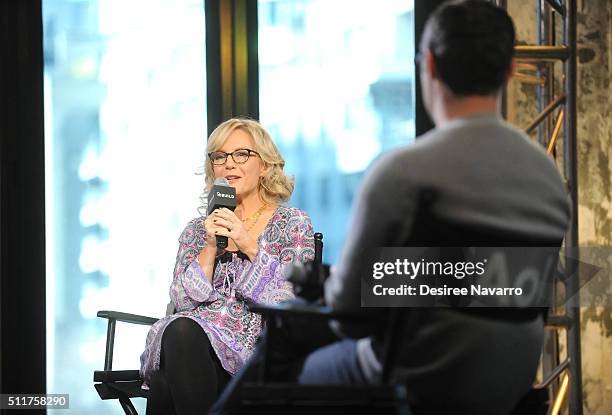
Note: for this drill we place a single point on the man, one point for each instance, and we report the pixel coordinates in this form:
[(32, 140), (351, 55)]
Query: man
[(487, 176), (489, 179)]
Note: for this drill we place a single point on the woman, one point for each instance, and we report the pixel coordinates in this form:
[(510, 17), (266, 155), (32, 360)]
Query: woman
[(190, 355)]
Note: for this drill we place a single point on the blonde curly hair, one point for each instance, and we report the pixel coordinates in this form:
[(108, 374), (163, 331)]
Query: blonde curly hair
[(274, 187)]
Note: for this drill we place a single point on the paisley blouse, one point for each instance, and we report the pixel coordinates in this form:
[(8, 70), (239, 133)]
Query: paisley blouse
[(220, 308)]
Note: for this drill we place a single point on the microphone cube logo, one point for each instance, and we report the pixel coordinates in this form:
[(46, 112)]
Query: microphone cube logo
[(225, 195)]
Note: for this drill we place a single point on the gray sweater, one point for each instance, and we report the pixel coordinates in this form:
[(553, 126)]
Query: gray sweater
[(487, 174)]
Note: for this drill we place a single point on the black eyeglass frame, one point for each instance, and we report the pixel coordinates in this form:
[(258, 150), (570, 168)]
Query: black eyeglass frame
[(248, 150)]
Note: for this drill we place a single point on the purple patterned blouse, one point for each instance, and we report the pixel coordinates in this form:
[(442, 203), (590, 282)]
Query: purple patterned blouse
[(219, 308)]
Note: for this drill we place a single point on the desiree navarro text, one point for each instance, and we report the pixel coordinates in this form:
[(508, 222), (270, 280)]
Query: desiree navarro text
[(426, 290)]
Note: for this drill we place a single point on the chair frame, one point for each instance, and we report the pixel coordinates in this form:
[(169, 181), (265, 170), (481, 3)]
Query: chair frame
[(119, 384), (246, 396), (124, 385), (389, 394)]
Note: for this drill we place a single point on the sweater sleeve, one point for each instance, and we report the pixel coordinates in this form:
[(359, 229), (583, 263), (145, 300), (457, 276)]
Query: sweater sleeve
[(262, 281), (381, 218), (190, 286)]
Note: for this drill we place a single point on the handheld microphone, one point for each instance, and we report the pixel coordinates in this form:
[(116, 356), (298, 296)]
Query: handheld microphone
[(221, 195)]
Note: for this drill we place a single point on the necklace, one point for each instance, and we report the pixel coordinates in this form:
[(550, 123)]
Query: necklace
[(254, 217)]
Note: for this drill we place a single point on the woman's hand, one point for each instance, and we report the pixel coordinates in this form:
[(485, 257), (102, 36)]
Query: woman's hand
[(207, 256), (211, 228), (226, 223)]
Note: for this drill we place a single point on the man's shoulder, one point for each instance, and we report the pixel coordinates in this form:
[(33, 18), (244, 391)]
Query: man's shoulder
[(393, 170), (408, 158), (486, 135)]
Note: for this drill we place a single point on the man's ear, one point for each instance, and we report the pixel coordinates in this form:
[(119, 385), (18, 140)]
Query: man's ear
[(511, 70), (430, 64)]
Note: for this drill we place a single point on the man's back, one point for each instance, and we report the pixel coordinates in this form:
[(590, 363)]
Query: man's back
[(488, 179), (486, 174)]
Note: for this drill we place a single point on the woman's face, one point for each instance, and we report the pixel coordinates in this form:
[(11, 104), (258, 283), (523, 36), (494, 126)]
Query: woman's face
[(244, 177)]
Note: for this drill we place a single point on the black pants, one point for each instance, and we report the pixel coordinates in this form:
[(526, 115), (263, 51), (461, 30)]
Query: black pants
[(190, 376)]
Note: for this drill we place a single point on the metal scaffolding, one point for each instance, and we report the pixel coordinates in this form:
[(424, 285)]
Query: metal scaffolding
[(557, 117)]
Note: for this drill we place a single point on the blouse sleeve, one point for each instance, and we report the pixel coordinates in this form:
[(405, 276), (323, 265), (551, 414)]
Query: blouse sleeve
[(262, 281), (190, 287)]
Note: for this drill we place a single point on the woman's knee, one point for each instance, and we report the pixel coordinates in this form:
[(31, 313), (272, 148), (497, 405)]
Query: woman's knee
[(183, 331)]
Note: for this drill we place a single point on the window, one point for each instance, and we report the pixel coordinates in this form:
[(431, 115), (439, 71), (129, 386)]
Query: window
[(336, 89), (125, 134)]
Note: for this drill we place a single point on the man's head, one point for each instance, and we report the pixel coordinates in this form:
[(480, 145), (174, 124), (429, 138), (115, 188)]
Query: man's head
[(467, 45)]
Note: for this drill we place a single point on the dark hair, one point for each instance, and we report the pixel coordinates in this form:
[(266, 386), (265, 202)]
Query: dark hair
[(472, 43)]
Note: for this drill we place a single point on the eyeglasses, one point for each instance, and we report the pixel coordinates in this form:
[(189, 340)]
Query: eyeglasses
[(240, 156)]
